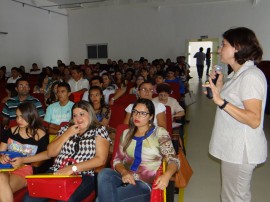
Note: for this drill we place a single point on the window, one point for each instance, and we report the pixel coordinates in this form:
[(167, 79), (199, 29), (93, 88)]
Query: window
[(96, 51)]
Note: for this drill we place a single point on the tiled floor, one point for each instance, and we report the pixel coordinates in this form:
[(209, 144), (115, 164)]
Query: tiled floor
[(205, 183)]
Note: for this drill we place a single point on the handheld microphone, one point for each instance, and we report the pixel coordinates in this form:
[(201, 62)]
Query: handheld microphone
[(208, 89)]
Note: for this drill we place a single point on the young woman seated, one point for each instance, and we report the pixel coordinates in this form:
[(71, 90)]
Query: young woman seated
[(85, 141), (96, 99), (141, 150), (134, 90), (145, 91), (27, 138)]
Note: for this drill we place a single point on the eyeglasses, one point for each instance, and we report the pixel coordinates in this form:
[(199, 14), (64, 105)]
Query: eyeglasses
[(140, 113), (147, 90), (23, 86)]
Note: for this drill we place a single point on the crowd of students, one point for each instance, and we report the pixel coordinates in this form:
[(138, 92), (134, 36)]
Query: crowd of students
[(86, 138)]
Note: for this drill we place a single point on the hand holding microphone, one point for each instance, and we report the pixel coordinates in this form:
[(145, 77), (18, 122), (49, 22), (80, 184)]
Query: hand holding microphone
[(208, 89)]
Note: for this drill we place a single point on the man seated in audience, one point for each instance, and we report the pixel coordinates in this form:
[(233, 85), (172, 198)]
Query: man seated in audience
[(60, 111), (159, 79), (146, 90), (15, 75), (35, 69), (77, 82), (23, 89), (98, 81), (171, 77)]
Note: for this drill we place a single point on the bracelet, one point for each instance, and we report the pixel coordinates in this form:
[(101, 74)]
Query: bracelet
[(224, 104)]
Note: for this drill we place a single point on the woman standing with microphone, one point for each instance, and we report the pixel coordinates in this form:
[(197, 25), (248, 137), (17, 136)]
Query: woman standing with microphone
[(238, 139)]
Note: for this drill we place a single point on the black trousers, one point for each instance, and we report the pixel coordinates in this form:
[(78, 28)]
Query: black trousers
[(200, 70)]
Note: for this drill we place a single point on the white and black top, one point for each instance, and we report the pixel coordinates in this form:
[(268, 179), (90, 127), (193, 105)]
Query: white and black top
[(80, 147)]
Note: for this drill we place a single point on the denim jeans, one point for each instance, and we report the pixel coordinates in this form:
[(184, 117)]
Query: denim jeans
[(110, 188), (84, 190)]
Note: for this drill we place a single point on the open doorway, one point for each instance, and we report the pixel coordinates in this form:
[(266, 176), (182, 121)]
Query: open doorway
[(193, 45)]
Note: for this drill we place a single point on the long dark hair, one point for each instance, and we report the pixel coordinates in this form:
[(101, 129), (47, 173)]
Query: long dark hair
[(132, 128), (246, 43), (52, 97), (102, 100), (30, 115)]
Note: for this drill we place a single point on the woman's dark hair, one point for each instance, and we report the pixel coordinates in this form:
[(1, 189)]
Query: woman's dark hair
[(40, 80), (102, 100), (11, 88), (84, 105), (122, 81), (52, 97), (163, 87), (132, 128), (31, 116), (246, 43), (137, 79)]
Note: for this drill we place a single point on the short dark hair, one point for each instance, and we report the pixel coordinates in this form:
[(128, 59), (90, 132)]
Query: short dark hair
[(164, 87), (21, 79), (246, 43), (145, 82), (77, 69), (96, 78), (64, 84), (15, 68)]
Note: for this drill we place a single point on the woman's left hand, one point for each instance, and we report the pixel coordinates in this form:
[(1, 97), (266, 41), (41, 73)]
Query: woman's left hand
[(64, 171), (161, 182), (16, 162)]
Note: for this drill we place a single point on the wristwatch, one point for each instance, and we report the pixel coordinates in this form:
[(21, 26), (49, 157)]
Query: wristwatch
[(224, 104), (74, 169)]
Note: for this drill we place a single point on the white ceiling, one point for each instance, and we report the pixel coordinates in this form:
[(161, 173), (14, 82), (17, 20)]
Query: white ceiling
[(80, 4)]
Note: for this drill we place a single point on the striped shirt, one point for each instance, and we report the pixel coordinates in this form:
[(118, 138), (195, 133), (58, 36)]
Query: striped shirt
[(11, 105)]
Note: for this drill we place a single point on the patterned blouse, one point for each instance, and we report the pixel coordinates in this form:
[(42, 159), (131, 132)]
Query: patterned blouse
[(144, 154), (81, 148)]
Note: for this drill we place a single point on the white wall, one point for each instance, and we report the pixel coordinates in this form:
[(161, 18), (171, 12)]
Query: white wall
[(33, 35), (161, 33)]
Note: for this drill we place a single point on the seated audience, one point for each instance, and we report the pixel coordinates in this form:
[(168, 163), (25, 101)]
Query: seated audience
[(35, 69), (119, 79), (11, 92), (134, 90), (60, 111), (141, 150), (2, 76), (84, 140), (171, 77), (52, 94), (159, 79), (146, 91), (27, 138), (42, 84), (22, 88), (97, 81), (77, 82), (15, 75), (96, 99), (66, 76), (164, 91)]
